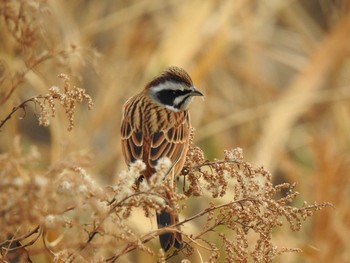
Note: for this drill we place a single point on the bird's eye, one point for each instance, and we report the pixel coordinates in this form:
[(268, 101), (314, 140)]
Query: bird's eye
[(173, 92)]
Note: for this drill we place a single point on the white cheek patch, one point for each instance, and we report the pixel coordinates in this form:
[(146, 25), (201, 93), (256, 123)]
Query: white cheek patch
[(183, 101), (179, 99)]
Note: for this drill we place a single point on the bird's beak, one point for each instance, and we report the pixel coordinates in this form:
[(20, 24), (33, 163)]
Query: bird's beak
[(196, 92)]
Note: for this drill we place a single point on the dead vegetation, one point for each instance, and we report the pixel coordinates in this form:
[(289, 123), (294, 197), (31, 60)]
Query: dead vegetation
[(275, 76)]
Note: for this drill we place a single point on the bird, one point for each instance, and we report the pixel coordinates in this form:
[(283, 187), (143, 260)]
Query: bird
[(156, 124)]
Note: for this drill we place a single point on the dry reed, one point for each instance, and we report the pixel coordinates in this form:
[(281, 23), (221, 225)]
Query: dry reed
[(275, 76)]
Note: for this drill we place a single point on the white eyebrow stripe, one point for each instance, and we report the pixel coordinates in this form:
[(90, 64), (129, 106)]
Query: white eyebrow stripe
[(168, 85)]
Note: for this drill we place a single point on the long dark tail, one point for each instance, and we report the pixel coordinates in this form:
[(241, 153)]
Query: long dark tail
[(171, 238)]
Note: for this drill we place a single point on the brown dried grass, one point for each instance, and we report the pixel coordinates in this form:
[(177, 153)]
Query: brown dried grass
[(275, 76)]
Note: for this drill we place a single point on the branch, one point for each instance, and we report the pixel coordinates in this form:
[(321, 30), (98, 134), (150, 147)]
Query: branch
[(149, 236), (18, 239), (20, 106)]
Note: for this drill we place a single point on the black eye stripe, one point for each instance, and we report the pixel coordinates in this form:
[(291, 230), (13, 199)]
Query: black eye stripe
[(168, 96)]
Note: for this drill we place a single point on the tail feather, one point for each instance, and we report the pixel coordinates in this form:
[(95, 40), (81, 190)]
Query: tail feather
[(171, 238)]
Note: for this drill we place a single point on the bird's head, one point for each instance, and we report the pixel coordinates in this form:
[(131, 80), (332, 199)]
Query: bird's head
[(173, 89)]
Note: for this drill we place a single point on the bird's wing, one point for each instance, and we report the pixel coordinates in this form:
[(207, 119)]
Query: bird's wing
[(171, 141), (131, 134)]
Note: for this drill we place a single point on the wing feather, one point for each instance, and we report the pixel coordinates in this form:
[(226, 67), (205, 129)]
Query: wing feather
[(131, 136), (175, 140)]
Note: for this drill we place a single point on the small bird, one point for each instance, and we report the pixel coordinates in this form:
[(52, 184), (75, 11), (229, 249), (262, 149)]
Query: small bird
[(156, 124)]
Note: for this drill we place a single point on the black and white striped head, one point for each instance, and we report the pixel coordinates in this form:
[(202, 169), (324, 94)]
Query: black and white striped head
[(173, 89)]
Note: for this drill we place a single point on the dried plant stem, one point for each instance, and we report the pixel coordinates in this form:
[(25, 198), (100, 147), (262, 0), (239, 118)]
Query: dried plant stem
[(20, 238), (18, 107), (153, 234)]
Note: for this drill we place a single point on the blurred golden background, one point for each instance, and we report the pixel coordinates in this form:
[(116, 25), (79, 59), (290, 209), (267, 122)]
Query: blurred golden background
[(275, 75)]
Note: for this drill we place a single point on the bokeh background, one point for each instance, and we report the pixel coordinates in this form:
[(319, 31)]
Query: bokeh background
[(275, 74)]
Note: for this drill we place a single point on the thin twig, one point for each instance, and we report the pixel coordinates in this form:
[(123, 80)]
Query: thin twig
[(20, 106), (18, 239)]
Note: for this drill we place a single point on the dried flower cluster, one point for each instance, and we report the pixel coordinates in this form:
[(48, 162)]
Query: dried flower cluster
[(68, 98), (252, 205), (78, 219)]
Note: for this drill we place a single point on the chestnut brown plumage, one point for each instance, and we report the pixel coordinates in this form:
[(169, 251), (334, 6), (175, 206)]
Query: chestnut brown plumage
[(156, 124)]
